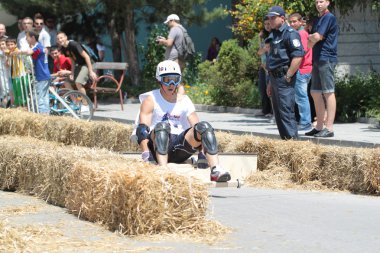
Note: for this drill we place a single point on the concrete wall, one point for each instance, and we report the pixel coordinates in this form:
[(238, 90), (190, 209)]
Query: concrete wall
[(359, 42)]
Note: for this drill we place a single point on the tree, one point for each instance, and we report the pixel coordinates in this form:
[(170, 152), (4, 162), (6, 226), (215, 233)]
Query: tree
[(249, 14), (118, 16)]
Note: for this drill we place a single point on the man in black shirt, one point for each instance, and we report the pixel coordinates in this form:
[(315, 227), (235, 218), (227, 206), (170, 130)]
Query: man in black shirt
[(81, 62)]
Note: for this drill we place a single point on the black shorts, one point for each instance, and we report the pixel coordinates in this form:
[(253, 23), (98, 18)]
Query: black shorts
[(179, 149)]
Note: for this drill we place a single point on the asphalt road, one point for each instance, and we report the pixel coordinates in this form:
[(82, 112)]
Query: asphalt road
[(262, 220)]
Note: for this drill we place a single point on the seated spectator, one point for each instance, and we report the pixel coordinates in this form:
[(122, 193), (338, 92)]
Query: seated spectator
[(62, 66)]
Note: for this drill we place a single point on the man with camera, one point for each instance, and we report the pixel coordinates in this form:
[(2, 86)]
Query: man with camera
[(173, 43)]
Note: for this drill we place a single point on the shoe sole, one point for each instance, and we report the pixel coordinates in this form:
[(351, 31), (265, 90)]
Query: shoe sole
[(223, 178), (324, 136)]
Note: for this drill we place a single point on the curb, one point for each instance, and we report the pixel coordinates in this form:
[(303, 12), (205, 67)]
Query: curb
[(226, 109), (211, 108)]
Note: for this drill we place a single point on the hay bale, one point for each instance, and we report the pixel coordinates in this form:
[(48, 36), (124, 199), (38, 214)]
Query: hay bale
[(225, 141), (307, 162), (34, 167), (247, 144), (304, 162), (101, 134), (372, 173), (344, 168), (98, 185), (126, 194)]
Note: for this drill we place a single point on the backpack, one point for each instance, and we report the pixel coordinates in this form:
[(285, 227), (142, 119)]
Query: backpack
[(187, 51), (90, 52)]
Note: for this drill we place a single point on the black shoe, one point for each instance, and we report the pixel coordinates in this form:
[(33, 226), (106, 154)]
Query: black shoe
[(324, 133), (312, 132)]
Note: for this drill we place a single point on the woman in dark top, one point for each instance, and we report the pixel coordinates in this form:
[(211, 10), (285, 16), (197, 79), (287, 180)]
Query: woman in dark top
[(213, 49)]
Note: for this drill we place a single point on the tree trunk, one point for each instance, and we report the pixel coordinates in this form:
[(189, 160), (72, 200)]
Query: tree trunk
[(130, 38), (116, 47)]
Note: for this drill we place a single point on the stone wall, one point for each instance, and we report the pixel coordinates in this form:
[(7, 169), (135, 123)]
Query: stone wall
[(359, 42)]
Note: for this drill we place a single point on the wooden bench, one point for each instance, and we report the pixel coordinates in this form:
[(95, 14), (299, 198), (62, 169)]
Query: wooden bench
[(95, 89)]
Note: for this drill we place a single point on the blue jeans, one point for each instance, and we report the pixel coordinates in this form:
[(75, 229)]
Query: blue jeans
[(42, 88), (302, 99)]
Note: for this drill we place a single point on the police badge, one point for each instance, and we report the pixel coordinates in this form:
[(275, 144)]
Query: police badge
[(296, 43)]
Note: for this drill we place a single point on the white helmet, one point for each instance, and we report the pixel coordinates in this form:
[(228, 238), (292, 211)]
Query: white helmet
[(167, 67)]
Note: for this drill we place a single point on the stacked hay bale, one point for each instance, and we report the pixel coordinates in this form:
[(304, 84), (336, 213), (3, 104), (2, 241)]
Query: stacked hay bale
[(343, 168), (69, 131), (101, 186), (354, 169)]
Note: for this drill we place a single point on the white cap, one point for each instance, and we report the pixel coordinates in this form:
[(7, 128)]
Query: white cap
[(171, 17)]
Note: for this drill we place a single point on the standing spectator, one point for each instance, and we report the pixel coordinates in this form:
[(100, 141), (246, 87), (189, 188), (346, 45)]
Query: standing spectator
[(213, 49), (303, 75), (174, 41), (91, 42), (43, 35), (19, 25), (101, 49), (52, 31), (3, 32), (16, 65), (5, 79), (283, 61), (50, 28), (266, 105), (41, 70), (27, 24), (81, 69), (324, 41)]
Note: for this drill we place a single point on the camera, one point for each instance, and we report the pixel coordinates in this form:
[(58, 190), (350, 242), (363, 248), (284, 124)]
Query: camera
[(158, 38)]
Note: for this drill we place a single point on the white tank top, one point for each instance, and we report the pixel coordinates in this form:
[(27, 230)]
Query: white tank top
[(174, 113)]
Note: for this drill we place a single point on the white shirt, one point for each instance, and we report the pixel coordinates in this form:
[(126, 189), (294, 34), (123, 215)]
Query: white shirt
[(22, 44), (44, 38)]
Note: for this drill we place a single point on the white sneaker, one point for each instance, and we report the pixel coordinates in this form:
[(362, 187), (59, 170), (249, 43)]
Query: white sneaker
[(84, 108), (219, 174)]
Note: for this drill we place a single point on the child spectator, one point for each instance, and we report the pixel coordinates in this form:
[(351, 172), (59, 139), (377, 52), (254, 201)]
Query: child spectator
[(41, 70), (16, 66), (5, 81), (62, 66)]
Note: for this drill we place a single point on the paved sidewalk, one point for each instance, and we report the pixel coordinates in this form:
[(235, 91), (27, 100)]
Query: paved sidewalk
[(346, 134)]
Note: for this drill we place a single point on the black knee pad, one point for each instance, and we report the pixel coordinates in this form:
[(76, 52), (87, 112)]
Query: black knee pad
[(208, 138), (161, 137)]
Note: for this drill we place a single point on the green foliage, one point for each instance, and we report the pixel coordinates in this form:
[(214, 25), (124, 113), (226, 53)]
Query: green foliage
[(358, 96), (232, 76), (249, 14), (153, 54), (199, 93), (190, 75)]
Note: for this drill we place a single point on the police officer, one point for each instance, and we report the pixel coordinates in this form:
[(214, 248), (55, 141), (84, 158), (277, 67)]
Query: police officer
[(283, 61)]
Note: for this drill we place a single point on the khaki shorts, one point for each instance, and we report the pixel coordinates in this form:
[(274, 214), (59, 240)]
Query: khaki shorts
[(81, 74)]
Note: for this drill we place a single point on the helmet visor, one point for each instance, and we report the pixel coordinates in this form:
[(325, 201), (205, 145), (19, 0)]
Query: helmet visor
[(171, 79)]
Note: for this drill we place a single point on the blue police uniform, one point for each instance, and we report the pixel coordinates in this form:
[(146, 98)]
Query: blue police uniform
[(285, 44)]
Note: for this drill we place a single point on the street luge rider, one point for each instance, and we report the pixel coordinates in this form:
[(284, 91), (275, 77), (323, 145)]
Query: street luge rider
[(169, 128)]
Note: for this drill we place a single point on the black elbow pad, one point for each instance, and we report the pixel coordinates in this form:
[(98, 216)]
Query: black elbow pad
[(142, 132)]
